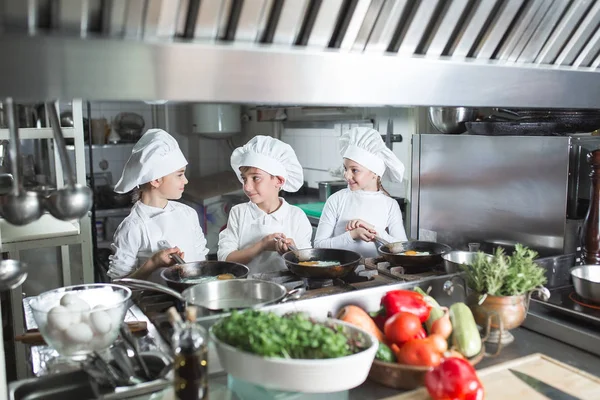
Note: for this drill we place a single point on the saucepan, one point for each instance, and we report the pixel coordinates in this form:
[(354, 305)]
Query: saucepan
[(454, 259), (394, 253), (221, 296), (586, 280), (343, 262)]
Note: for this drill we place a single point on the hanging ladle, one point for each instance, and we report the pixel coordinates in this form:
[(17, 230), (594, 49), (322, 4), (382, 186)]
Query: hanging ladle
[(12, 274), (20, 207), (74, 200)]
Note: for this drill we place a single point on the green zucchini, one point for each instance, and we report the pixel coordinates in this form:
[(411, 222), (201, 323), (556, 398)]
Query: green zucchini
[(465, 335), (384, 353), (436, 311)]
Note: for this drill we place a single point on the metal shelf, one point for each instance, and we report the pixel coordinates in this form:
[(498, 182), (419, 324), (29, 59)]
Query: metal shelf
[(37, 133), (49, 232)]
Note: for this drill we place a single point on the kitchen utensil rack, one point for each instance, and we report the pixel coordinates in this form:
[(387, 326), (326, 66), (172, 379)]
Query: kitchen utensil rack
[(49, 231)]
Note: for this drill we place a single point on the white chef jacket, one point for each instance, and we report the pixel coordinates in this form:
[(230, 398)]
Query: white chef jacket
[(136, 238), (375, 208), (247, 224)]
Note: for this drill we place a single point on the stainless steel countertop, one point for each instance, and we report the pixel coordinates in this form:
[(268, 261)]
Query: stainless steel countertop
[(526, 341)]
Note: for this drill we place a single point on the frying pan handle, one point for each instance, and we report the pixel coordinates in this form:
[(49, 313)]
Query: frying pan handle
[(163, 245), (293, 294), (140, 284)]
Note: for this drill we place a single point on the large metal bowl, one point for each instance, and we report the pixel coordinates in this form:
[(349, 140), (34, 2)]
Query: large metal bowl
[(451, 119), (454, 259)]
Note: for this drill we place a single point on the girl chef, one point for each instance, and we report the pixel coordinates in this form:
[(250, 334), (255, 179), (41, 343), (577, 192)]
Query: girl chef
[(352, 217), (265, 166), (157, 168)]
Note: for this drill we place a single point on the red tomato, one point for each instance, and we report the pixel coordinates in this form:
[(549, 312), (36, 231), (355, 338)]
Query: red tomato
[(402, 327), (419, 352)]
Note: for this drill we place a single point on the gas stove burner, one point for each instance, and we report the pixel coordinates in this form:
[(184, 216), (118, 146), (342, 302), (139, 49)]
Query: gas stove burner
[(583, 302), (312, 283)]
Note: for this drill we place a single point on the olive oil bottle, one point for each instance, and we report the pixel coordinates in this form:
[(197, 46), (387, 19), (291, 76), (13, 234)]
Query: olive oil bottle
[(190, 346)]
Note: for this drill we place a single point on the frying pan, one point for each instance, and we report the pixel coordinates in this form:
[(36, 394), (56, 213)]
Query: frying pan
[(586, 280), (511, 128), (176, 273), (415, 264), (221, 296), (569, 120), (348, 262)]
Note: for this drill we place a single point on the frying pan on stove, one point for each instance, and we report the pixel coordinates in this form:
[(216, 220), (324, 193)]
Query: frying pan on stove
[(414, 264), (348, 261), (178, 276)]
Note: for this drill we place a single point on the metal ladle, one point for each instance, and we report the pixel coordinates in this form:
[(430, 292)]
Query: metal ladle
[(20, 207), (74, 200), (12, 274)]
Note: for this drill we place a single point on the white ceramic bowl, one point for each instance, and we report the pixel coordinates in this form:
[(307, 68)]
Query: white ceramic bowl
[(296, 375), (78, 320)]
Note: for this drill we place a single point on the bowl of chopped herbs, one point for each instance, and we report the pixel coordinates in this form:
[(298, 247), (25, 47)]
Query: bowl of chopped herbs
[(500, 289), (293, 352)]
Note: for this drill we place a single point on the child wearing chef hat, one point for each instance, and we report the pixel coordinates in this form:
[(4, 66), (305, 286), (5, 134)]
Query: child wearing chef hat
[(156, 170), (260, 229), (353, 216)]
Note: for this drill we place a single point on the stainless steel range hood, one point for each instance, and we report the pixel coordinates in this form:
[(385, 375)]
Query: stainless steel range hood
[(519, 53)]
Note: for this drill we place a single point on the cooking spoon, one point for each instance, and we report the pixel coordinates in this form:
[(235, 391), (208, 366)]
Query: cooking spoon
[(20, 207), (12, 274), (294, 249), (74, 200), (394, 248), (164, 245)]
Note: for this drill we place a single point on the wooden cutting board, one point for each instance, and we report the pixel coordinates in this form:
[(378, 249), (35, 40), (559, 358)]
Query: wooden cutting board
[(501, 384)]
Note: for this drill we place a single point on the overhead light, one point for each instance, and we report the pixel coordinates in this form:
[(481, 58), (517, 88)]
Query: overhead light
[(156, 102)]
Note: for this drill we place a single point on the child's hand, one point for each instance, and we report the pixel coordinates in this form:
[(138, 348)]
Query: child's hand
[(362, 234), (163, 258), (283, 245), (268, 242), (359, 223)]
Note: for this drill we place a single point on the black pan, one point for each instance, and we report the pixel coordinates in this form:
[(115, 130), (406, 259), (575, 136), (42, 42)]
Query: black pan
[(416, 264), (511, 128), (348, 262), (173, 275)]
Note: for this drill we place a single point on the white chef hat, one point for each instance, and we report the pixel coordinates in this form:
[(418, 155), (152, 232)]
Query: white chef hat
[(366, 147), (155, 155), (272, 156)]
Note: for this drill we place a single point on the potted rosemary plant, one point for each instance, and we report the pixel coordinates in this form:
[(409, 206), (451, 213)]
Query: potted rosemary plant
[(501, 287)]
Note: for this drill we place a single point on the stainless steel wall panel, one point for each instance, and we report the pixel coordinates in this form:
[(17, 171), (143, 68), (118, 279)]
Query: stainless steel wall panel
[(494, 189)]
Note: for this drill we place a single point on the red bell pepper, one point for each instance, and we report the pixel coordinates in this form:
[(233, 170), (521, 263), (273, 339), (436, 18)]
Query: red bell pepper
[(396, 301), (454, 379)]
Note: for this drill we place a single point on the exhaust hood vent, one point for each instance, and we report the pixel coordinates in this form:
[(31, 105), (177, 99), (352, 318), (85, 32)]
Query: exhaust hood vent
[(483, 51)]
